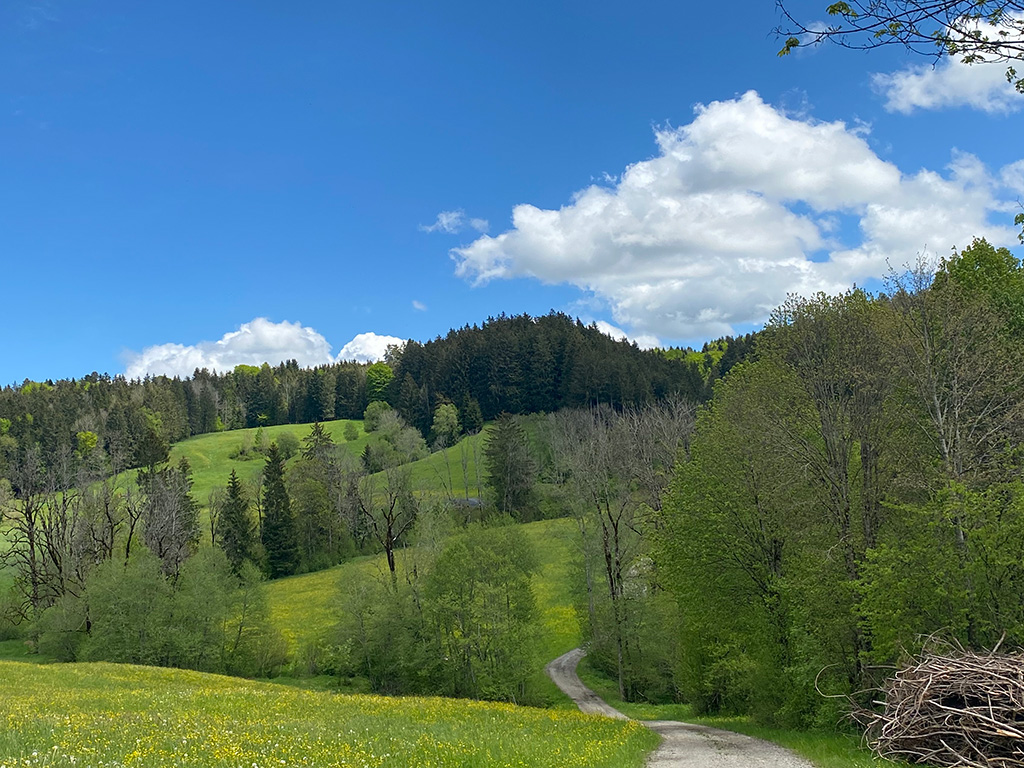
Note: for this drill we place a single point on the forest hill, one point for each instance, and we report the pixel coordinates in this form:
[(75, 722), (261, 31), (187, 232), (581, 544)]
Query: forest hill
[(515, 365)]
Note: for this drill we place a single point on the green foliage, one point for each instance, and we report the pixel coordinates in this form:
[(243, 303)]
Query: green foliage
[(921, 581), (317, 445), (378, 382), (278, 534), (446, 428), (373, 413), (200, 603), (60, 629), (351, 432), (511, 471), (472, 417), (398, 443), (993, 274), (129, 607), (481, 606), (463, 622), (86, 443), (236, 534), (838, 502), (287, 444), (253, 646), (152, 449), (206, 619)]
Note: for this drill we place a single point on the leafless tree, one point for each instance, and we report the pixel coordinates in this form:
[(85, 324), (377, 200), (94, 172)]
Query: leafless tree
[(387, 509), (617, 465)]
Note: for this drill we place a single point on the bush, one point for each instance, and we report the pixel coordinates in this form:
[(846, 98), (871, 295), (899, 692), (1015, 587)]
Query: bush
[(373, 413), (60, 630), (287, 444)]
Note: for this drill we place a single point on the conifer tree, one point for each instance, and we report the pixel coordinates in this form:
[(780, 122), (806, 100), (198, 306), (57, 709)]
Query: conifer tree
[(511, 469), (278, 534), (317, 445), (236, 530)]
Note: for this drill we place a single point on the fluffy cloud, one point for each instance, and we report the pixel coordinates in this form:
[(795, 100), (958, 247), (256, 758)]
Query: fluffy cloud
[(453, 222), (1012, 177), (949, 83), (368, 347), (737, 209), (642, 341), (254, 343)]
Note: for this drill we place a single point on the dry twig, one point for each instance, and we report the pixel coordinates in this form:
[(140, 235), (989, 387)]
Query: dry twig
[(952, 708)]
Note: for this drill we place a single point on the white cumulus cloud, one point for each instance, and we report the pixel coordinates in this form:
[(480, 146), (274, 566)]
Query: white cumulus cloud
[(643, 341), (254, 343), (737, 209), (368, 347), (951, 83)]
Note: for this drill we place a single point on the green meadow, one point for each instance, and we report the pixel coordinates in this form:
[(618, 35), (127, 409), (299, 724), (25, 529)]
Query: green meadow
[(100, 714), (91, 715), (304, 607), (443, 474), (210, 455)]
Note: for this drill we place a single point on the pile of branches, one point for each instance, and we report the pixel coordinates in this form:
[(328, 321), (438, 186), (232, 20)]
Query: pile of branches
[(952, 707)]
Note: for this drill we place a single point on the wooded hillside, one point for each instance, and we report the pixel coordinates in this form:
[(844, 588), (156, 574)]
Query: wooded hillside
[(515, 364)]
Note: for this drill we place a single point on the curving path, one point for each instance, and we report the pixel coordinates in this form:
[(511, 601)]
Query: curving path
[(682, 745)]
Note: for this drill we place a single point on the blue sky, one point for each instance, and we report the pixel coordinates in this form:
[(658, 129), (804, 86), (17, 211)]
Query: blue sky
[(213, 183)]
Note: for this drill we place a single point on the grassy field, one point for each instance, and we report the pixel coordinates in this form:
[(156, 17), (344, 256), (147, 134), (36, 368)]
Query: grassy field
[(17, 650), (824, 749), (302, 607), (210, 455), (103, 714), (442, 473)]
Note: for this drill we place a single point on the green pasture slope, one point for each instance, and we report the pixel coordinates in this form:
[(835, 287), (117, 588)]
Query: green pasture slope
[(209, 455), (91, 715), (304, 607), (441, 474)]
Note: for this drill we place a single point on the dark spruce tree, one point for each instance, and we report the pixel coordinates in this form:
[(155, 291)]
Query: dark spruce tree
[(279, 536), (236, 529), (317, 445), (511, 471)]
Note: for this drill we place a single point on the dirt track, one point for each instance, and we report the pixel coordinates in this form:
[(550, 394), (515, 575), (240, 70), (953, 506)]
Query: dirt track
[(683, 745)]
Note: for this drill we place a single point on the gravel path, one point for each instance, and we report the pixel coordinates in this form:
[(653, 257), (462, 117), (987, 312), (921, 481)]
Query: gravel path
[(682, 745)]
